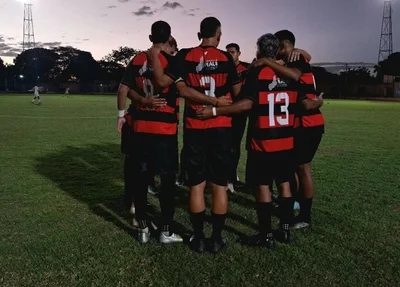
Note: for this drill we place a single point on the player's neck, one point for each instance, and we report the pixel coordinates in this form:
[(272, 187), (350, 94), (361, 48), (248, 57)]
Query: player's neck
[(160, 46), (209, 42), (237, 63)]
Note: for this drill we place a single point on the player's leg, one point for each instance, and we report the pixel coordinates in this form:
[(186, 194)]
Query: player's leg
[(195, 159), (308, 145), (238, 128), (218, 166), (258, 175), (283, 174), (167, 161)]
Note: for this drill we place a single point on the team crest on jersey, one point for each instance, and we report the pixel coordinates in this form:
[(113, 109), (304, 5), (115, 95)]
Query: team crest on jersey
[(208, 65), (277, 83)]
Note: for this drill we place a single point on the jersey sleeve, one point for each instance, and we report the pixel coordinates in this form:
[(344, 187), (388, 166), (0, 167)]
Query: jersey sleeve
[(300, 64), (250, 89), (176, 66), (233, 78), (129, 76)]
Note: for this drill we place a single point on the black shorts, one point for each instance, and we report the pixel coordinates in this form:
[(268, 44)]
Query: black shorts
[(208, 155), (306, 143), (265, 168), (154, 153)]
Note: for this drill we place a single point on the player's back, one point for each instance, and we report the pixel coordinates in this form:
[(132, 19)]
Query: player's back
[(162, 121), (272, 116), (209, 71)]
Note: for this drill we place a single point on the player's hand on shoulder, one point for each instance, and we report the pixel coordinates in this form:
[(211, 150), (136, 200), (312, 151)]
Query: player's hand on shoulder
[(224, 101), (120, 123), (154, 102), (204, 113), (294, 56)]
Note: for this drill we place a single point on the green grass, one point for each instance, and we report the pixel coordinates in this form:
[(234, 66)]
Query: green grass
[(62, 223)]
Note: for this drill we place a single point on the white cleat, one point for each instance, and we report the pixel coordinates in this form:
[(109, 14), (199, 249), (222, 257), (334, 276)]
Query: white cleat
[(231, 188), (165, 238), (144, 235)]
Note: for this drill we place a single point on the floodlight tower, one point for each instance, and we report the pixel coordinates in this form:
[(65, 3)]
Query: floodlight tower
[(28, 31), (386, 43)]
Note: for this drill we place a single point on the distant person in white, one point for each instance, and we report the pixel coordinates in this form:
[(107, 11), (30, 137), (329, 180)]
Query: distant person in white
[(36, 95), (66, 92)]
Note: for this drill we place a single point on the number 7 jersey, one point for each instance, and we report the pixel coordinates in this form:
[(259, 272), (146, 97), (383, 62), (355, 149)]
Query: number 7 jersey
[(276, 100), (210, 71)]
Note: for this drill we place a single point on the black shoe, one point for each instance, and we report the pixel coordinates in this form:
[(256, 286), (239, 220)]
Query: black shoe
[(216, 245), (283, 236), (260, 240), (197, 244), (239, 184)]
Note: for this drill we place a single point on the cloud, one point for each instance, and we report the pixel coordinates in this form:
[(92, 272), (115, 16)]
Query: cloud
[(148, 1), (85, 39), (47, 44), (8, 54), (190, 14), (144, 11), (172, 5), (111, 7), (124, 1), (103, 15), (194, 9)]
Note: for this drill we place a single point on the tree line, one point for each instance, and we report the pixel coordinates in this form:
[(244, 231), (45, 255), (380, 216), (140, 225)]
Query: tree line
[(63, 65)]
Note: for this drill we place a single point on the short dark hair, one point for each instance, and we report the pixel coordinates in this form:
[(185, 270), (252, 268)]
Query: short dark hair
[(268, 45), (209, 27), (233, 45), (160, 32), (286, 35)]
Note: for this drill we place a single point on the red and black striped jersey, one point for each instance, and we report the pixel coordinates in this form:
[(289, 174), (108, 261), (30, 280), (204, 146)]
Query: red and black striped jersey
[(276, 101), (139, 77), (313, 118), (210, 71), (241, 70)]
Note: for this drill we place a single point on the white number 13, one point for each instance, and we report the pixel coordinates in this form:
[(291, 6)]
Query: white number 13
[(272, 100), (208, 80)]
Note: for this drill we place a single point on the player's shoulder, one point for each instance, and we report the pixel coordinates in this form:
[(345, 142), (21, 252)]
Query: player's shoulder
[(301, 62), (263, 72), (139, 58)]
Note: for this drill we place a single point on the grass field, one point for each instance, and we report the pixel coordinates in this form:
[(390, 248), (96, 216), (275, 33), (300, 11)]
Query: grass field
[(62, 223)]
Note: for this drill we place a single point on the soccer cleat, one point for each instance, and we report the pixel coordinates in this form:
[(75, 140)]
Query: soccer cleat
[(144, 235), (283, 236), (261, 240), (132, 210), (197, 244), (135, 224), (299, 223), (296, 206), (217, 245), (152, 190), (231, 189), (165, 238)]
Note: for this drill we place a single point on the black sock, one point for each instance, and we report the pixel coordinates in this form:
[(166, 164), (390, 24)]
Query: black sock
[(218, 223), (286, 212), (264, 211), (197, 220), (305, 209)]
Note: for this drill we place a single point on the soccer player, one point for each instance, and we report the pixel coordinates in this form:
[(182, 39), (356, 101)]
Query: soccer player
[(238, 121), (153, 140), (207, 143), (272, 102), (309, 133), (36, 95), (66, 92)]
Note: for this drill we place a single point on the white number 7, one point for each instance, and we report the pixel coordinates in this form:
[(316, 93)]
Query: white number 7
[(272, 100)]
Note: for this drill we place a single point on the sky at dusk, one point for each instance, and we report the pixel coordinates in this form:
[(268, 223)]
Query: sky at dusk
[(331, 30)]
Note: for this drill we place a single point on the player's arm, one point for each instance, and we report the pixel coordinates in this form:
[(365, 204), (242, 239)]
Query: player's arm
[(312, 104), (290, 73), (233, 78), (296, 53), (160, 77)]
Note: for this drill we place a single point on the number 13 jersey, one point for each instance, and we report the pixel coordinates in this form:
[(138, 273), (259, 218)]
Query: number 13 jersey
[(210, 71), (276, 101), (140, 78)]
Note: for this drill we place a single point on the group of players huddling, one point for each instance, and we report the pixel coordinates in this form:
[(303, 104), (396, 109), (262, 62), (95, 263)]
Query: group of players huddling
[(276, 92)]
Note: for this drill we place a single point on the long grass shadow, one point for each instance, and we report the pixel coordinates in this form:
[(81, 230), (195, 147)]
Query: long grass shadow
[(94, 176)]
